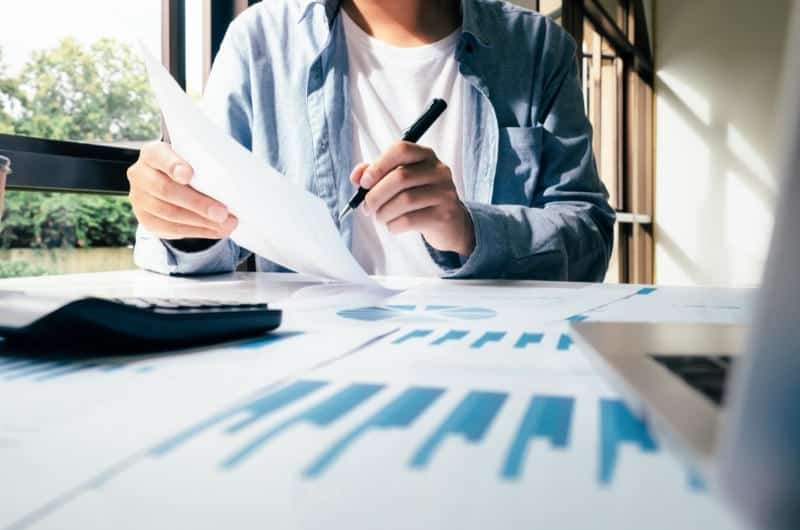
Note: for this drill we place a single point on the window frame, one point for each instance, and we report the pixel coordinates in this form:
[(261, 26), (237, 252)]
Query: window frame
[(627, 34)]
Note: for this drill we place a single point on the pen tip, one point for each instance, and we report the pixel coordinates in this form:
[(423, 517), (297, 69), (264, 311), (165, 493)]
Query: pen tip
[(347, 209)]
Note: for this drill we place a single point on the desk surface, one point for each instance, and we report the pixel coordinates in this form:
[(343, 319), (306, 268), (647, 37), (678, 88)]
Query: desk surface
[(451, 404)]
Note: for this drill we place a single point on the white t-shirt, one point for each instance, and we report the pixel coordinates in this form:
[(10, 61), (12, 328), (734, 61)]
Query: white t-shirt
[(390, 87)]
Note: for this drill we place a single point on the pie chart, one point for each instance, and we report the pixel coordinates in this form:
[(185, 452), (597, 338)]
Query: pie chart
[(417, 313)]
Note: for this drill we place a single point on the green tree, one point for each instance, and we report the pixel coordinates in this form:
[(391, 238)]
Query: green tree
[(99, 94), (10, 98)]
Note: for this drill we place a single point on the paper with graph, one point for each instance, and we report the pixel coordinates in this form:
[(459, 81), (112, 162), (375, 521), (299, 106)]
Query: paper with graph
[(426, 427)]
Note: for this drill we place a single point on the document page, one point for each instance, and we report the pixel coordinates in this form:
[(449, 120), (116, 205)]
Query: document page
[(278, 219)]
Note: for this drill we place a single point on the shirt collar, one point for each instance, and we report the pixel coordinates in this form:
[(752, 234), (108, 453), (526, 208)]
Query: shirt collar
[(469, 16)]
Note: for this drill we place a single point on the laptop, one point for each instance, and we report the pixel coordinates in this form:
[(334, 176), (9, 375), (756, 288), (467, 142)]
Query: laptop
[(728, 397)]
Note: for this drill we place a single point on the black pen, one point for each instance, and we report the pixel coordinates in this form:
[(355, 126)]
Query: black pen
[(412, 134)]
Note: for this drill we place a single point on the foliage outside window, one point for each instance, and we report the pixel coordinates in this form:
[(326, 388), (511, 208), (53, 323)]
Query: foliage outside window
[(97, 93)]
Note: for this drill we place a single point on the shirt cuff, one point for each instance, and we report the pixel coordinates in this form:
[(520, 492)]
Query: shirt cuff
[(213, 259), (158, 255), (491, 246)]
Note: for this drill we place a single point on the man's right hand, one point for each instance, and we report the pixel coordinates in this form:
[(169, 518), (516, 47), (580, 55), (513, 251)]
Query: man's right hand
[(164, 203)]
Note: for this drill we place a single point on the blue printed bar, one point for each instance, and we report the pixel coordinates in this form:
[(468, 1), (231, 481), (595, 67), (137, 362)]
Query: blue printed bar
[(564, 342), (452, 335), (257, 408), (399, 413), (617, 426), (547, 417), (470, 419), (528, 338), (414, 334), (489, 336), (321, 415)]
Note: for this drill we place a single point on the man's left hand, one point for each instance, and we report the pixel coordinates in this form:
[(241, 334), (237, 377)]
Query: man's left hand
[(410, 189)]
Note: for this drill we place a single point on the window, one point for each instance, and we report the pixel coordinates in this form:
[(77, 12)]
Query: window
[(615, 62), (616, 68), (75, 74), (551, 8), (74, 105)]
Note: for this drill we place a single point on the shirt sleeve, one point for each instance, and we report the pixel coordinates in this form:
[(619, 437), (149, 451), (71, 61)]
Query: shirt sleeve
[(227, 102), (158, 255), (567, 232)]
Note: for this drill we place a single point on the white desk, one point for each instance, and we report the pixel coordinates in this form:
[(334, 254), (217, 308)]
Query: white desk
[(454, 405)]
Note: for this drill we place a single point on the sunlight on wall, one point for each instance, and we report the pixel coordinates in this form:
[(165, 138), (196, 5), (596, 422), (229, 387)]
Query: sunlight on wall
[(718, 76), (688, 95), (748, 223), (751, 159), (677, 180)]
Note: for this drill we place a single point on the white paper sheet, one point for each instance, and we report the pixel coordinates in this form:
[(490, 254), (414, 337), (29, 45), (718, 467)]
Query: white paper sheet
[(680, 304), (353, 445), (51, 415), (278, 219)]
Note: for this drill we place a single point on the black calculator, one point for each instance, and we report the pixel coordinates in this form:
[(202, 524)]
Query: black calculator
[(127, 324)]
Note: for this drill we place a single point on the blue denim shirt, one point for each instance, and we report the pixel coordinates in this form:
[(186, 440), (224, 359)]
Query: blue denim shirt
[(279, 87)]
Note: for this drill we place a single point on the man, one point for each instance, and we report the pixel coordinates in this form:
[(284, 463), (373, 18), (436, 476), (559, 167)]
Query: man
[(502, 186)]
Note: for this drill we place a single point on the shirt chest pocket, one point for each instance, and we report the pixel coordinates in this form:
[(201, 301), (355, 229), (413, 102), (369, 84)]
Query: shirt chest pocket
[(518, 161)]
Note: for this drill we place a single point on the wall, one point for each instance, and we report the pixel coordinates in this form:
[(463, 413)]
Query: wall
[(718, 72)]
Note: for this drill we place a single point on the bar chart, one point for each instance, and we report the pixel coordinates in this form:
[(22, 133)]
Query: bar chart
[(548, 418), (481, 339), (44, 370)]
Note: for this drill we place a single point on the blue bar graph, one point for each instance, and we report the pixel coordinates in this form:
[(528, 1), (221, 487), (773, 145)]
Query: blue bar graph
[(399, 413), (528, 338), (617, 426), (564, 342), (481, 339), (321, 415), (413, 334), (646, 290), (547, 417), (31, 368), (471, 419), (40, 370), (257, 409), (452, 335), (489, 336), (577, 318)]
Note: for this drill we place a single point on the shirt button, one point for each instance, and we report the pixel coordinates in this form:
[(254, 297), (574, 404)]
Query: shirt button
[(323, 143)]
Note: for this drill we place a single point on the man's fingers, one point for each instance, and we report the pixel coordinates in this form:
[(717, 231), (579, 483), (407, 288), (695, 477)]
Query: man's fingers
[(358, 172), (169, 230), (410, 200), (399, 154), (160, 156), (398, 180), (173, 213), (157, 184), (416, 221)]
